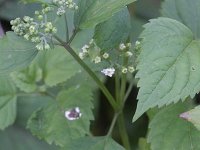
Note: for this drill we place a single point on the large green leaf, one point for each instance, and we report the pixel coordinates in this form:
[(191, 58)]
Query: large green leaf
[(7, 102), (15, 138), (15, 52), (94, 143), (185, 11), (112, 32), (168, 64), (49, 123), (57, 65), (193, 116), (168, 131), (93, 12)]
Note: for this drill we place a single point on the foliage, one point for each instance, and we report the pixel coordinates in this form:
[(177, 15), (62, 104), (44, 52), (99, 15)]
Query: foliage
[(54, 65)]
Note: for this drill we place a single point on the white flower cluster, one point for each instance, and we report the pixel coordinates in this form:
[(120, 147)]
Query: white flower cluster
[(63, 5), (73, 114), (39, 31), (108, 72)]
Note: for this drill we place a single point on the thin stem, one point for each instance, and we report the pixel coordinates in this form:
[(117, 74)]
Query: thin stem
[(112, 124), (73, 36), (117, 86), (129, 90), (91, 73), (67, 30), (123, 132)]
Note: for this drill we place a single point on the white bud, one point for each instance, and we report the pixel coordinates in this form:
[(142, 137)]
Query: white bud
[(97, 60), (129, 54), (122, 46), (131, 69), (105, 55), (124, 70)]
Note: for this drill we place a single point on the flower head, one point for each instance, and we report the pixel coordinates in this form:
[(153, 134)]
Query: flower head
[(108, 72)]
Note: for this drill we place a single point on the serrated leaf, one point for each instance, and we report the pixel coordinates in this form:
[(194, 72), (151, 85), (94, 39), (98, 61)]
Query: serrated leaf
[(185, 11), (193, 116), (7, 102), (93, 12), (15, 52), (168, 64), (94, 143), (112, 32), (26, 80), (15, 138), (58, 66), (49, 123), (168, 131)]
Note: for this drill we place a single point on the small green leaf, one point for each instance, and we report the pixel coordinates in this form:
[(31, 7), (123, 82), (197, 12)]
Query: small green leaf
[(26, 80), (94, 143), (15, 52), (193, 116), (49, 123), (168, 131), (7, 102), (168, 64), (112, 32), (185, 11), (57, 65), (93, 12)]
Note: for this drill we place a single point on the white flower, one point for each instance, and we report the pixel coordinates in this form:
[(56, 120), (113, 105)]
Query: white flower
[(131, 69), (81, 55), (108, 72), (124, 70), (129, 54), (122, 46), (73, 114), (105, 55), (84, 48), (97, 60)]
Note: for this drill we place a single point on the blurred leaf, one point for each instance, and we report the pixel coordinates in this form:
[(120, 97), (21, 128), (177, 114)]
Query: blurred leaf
[(112, 32), (193, 116), (15, 52), (168, 64), (185, 11), (7, 102), (49, 123), (143, 145), (94, 143), (15, 138), (11, 9), (168, 131), (93, 12)]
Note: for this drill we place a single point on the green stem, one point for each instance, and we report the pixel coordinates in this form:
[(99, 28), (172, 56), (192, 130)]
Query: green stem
[(67, 30), (129, 90), (117, 86), (113, 124), (123, 132), (91, 73)]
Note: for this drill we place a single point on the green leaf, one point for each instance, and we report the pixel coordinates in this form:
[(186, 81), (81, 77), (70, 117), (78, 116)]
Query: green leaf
[(193, 116), (168, 131), (93, 12), (143, 145), (16, 52), (49, 123), (15, 138), (168, 65), (94, 143), (27, 79), (185, 11), (7, 102), (112, 32), (57, 65)]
